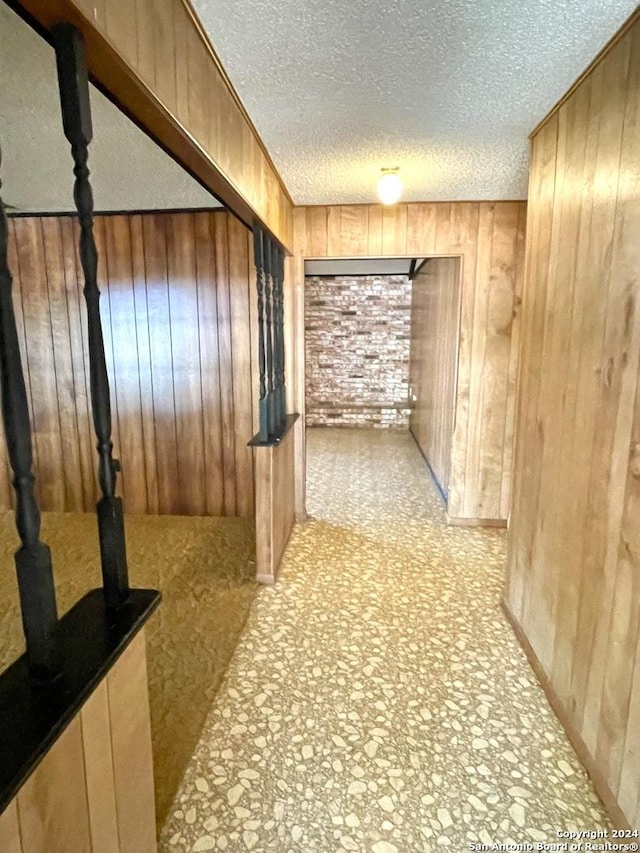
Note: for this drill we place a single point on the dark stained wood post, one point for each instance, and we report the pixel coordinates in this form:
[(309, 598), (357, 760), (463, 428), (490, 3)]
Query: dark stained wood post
[(269, 260), (73, 82), (258, 251), (33, 558), (282, 391), (268, 256)]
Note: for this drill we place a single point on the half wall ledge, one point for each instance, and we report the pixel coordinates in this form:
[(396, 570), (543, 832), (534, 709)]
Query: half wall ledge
[(275, 499), (91, 639)]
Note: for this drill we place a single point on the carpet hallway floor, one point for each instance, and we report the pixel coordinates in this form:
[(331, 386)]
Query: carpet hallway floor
[(377, 699), (204, 568)]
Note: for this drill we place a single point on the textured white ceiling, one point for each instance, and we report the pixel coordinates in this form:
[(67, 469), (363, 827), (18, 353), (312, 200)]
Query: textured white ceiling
[(448, 91), (129, 171)]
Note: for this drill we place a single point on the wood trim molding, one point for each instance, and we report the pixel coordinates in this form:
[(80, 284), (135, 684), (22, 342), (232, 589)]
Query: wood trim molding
[(115, 78), (476, 522), (597, 777)]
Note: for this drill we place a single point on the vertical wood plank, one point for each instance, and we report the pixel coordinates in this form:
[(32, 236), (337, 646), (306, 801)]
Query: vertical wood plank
[(209, 364), (498, 322), (185, 352), (160, 349), (583, 347), (52, 804), (528, 434), (95, 725), (146, 64), (465, 244), (374, 234), (434, 341), (165, 53), (64, 377), (122, 27), (334, 232), (394, 230), (145, 378), (421, 229), (317, 232), (512, 371), (131, 749), (474, 489), (10, 829), (180, 37), (225, 360), (354, 226), (196, 78), (126, 370), (241, 349)]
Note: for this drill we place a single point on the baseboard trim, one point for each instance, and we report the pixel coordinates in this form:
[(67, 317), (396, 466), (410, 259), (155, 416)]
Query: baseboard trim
[(597, 777), (476, 522), (443, 492)]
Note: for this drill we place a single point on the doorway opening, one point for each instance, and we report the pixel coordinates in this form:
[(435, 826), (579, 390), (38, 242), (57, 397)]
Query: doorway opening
[(381, 349)]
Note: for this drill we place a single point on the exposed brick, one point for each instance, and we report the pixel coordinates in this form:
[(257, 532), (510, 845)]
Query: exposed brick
[(357, 350)]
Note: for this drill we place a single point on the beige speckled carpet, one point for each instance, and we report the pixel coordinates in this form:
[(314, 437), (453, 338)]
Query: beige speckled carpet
[(204, 568), (377, 699)]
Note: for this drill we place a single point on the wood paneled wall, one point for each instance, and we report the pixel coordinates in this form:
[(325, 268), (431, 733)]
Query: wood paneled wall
[(155, 59), (574, 562), (93, 792), (435, 314), (275, 505), (489, 238), (176, 302)]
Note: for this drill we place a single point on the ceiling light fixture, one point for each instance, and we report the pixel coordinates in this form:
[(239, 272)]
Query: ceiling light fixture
[(389, 186)]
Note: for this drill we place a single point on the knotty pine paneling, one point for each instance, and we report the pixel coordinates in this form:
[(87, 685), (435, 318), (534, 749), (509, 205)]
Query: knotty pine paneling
[(573, 580), (435, 311), (155, 59), (176, 291), (488, 237)]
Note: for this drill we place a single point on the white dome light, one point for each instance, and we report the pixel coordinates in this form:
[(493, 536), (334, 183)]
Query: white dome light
[(389, 186)]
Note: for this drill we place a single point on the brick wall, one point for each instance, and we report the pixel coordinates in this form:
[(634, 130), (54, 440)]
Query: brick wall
[(357, 338)]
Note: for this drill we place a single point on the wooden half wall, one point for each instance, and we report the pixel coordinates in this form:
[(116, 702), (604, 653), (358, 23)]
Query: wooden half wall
[(93, 791), (488, 237), (435, 314), (574, 564), (157, 63), (177, 305)]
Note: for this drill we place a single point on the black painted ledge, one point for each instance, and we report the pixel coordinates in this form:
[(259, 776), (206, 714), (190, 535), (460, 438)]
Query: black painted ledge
[(90, 638), (256, 441)]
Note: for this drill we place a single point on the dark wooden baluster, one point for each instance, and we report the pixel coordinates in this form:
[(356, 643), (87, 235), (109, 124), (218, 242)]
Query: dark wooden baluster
[(76, 118), (275, 296), (269, 335), (282, 399), (33, 558), (258, 251)]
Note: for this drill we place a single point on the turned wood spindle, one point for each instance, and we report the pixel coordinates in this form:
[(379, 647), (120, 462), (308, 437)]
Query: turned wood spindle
[(73, 83), (258, 251), (282, 392), (271, 419)]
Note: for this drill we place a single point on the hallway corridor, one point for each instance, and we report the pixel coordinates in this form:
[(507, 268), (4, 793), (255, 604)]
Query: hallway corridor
[(378, 700)]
